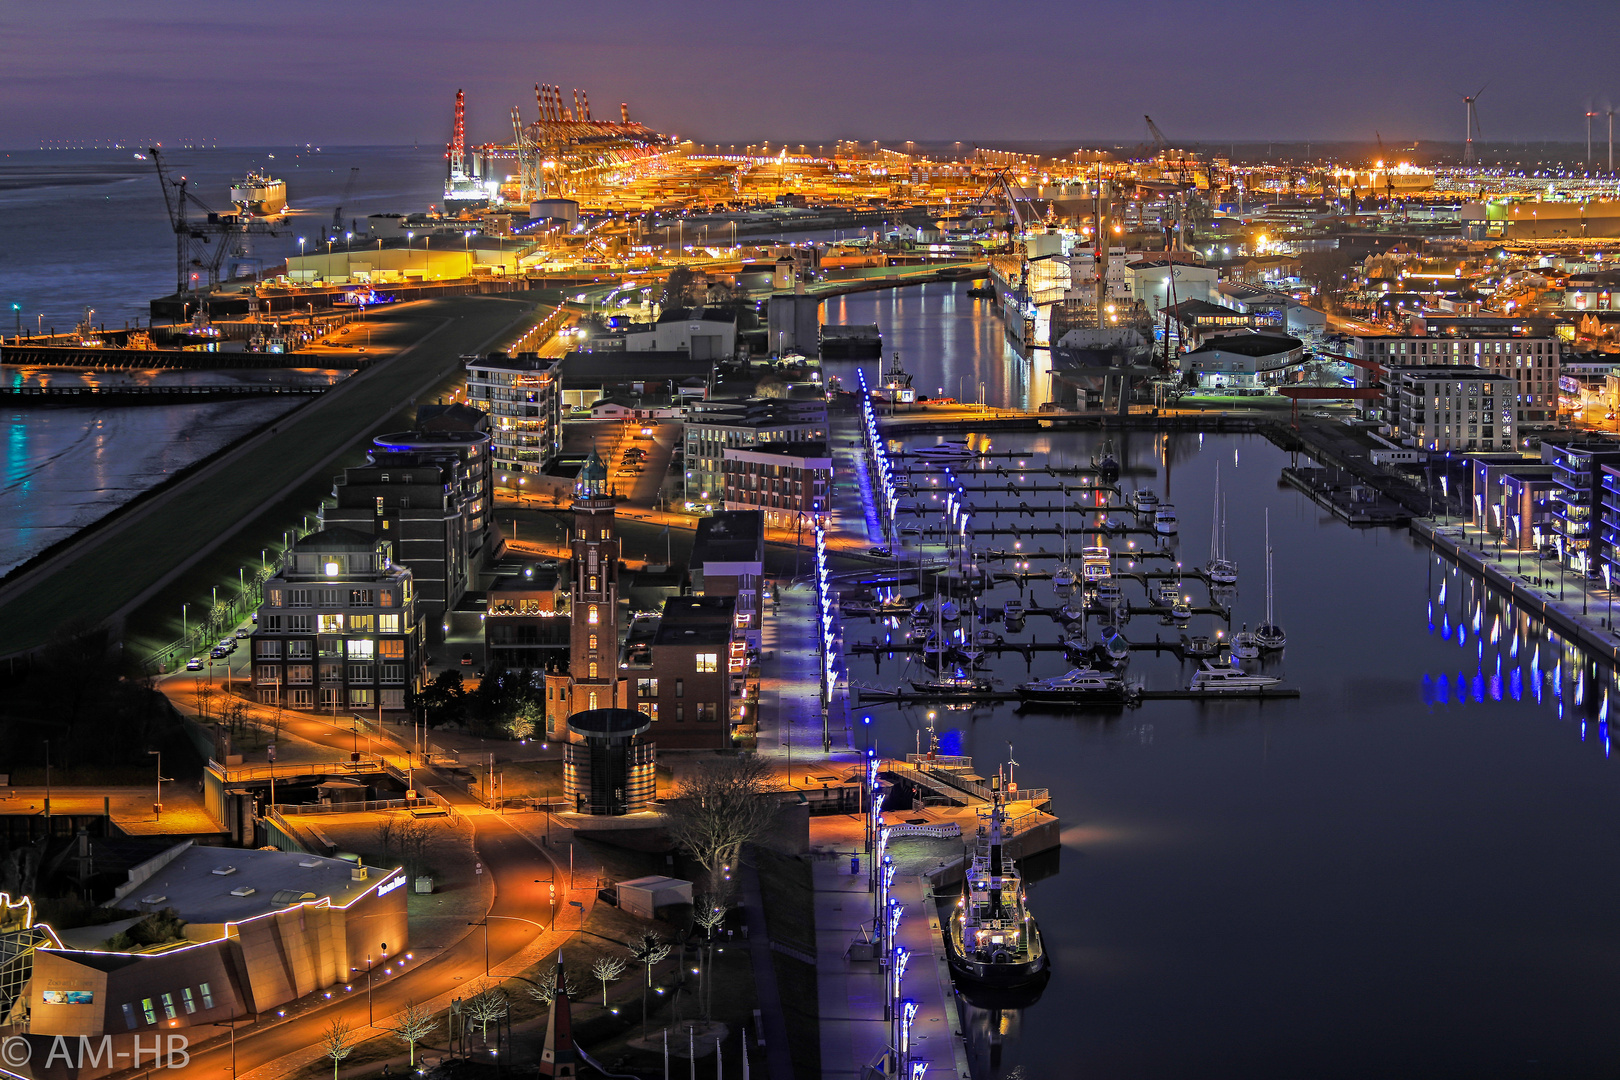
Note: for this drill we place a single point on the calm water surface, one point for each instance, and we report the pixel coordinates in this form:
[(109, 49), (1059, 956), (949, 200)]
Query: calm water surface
[(1407, 872)]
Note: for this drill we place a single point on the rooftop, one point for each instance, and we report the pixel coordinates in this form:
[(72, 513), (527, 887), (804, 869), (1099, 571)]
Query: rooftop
[(730, 536), (217, 885)]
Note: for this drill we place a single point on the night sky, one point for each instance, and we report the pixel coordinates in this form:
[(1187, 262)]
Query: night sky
[(294, 71)]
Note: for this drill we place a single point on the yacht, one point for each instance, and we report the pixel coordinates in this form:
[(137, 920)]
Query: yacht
[(1080, 684), (1110, 595), (987, 636), (1181, 609), (1164, 520), (1013, 612), (1063, 577), (1269, 634), (991, 939), (1215, 678), (944, 451), (1096, 564), (1144, 500), (1169, 593)]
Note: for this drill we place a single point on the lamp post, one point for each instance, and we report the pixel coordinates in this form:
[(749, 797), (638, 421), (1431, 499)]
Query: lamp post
[(157, 807)]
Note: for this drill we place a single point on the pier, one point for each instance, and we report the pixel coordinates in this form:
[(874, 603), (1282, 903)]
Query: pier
[(101, 358), (68, 396)]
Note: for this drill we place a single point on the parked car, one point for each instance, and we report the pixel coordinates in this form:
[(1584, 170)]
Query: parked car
[(242, 632), (194, 664), (218, 653), (881, 553), (466, 659)]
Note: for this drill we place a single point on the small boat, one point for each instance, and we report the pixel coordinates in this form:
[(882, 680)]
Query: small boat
[(1215, 678), (1164, 520), (1106, 464), (1244, 645), (949, 612), (1063, 577), (1112, 640), (991, 939), (1200, 646), (1144, 500), (1181, 610), (1074, 608), (1075, 636), (957, 682), (933, 645), (859, 607), (1109, 594), (987, 637), (1113, 524), (1169, 592), (1013, 611), (1269, 634), (1080, 684), (921, 616)]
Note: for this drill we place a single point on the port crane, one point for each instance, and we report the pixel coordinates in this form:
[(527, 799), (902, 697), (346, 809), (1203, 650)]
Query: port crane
[(337, 211), (200, 242)]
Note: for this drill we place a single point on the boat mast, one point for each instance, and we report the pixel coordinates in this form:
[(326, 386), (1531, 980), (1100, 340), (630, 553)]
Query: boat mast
[(995, 847), (1269, 620), (1215, 521)]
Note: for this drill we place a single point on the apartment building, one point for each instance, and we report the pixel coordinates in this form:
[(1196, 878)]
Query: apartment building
[(523, 396), (1578, 499), (787, 482), (338, 629), (432, 504), (685, 681), (1532, 363), (1457, 407), (715, 425)]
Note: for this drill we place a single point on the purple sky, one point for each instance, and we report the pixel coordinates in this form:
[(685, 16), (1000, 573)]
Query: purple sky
[(364, 72)]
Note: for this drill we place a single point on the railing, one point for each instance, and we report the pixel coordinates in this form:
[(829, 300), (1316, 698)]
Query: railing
[(942, 831), (235, 774), (296, 809), (974, 788)]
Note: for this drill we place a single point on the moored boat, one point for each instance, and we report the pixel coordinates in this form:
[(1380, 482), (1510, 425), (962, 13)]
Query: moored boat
[(1164, 520), (991, 939), (1215, 678), (1080, 684)]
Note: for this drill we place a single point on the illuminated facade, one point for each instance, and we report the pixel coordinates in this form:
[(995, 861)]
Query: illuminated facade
[(1453, 408), (338, 629), (523, 397)]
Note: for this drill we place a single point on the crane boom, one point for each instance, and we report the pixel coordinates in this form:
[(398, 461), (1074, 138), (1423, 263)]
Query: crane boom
[(1160, 143)]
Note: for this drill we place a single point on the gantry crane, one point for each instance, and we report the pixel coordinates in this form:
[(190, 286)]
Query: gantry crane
[(200, 243)]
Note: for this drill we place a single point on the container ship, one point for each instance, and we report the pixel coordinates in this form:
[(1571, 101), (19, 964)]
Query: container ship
[(257, 193)]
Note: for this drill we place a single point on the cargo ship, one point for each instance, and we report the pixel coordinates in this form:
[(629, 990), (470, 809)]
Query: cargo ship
[(257, 193)]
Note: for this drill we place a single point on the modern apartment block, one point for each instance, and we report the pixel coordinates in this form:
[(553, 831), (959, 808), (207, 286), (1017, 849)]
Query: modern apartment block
[(1532, 362), (523, 396), (715, 425), (1580, 475), (1452, 408), (338, 629), (430, 496), (787, 482), (685, 682)]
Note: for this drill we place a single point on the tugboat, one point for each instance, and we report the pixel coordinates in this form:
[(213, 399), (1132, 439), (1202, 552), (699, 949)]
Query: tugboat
[(991, 939)]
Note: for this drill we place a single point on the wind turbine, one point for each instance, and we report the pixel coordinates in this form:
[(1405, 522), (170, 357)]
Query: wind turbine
[(1589, 114), (1471, 124)]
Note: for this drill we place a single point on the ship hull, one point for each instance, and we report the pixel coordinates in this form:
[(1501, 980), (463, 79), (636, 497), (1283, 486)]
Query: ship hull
[(993, 976)]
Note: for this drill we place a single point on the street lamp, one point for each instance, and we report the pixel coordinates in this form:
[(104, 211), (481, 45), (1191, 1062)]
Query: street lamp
[(157, 807)]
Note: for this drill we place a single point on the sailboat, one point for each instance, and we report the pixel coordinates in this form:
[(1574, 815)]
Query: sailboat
[(1245, 646), (1221, 570), (1268, 633), (1063, 576)]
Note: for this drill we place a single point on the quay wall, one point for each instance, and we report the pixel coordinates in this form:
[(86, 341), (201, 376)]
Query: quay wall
[(1598, 640)]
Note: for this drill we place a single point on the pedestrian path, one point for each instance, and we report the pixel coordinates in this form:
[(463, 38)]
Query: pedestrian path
[(854, 1033)]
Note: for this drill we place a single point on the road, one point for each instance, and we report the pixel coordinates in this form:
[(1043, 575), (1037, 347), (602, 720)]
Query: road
[(105, 572)]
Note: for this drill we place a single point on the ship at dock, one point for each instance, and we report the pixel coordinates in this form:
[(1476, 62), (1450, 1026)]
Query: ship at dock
[(991, 938), (257, 193)]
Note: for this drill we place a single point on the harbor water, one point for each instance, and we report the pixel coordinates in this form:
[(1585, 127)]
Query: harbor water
[(1403, 872)]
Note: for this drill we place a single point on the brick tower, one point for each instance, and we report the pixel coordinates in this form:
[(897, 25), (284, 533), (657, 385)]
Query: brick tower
[(593, 655)]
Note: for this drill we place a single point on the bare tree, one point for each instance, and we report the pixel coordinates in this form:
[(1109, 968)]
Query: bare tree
[(544, 987), (416, 1023), (337, 1040), (709, 912), (647, 951), (727, 803), (204, 696), (486, 1007), (607, 969), (385, 834)]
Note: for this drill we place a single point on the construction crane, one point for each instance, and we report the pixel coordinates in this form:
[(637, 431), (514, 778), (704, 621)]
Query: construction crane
[(337, 211), (200, 243), (1160, 143)]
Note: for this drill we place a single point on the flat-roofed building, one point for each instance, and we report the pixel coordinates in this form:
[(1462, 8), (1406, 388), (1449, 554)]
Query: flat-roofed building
[(728, 559), (684, 682), (523, 396), (787, 482), (1532, 361), (1452, 408), (261, 928), (713, 426), (339, 628)]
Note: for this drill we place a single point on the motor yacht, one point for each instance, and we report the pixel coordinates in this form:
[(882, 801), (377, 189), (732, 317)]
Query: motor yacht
[(1164, 520), (1215, 678), (1080, 684)]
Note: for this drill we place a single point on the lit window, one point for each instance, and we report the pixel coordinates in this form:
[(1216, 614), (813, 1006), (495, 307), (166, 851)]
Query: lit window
[(207, 996), (592, 585), (332, 569), (331, 624), (360, 648), (388, 624), (169, 1011), (593, 641), (591, 615), (708, 662), (148, 1011), (593, 699), (187, 1000), (593, 669), (604, 534)]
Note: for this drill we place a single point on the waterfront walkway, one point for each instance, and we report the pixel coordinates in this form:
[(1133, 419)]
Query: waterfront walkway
[(1580, 610)]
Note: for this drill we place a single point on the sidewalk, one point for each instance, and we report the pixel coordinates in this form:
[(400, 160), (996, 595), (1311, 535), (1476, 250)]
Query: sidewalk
[(853, 1031), (1574, 607)]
